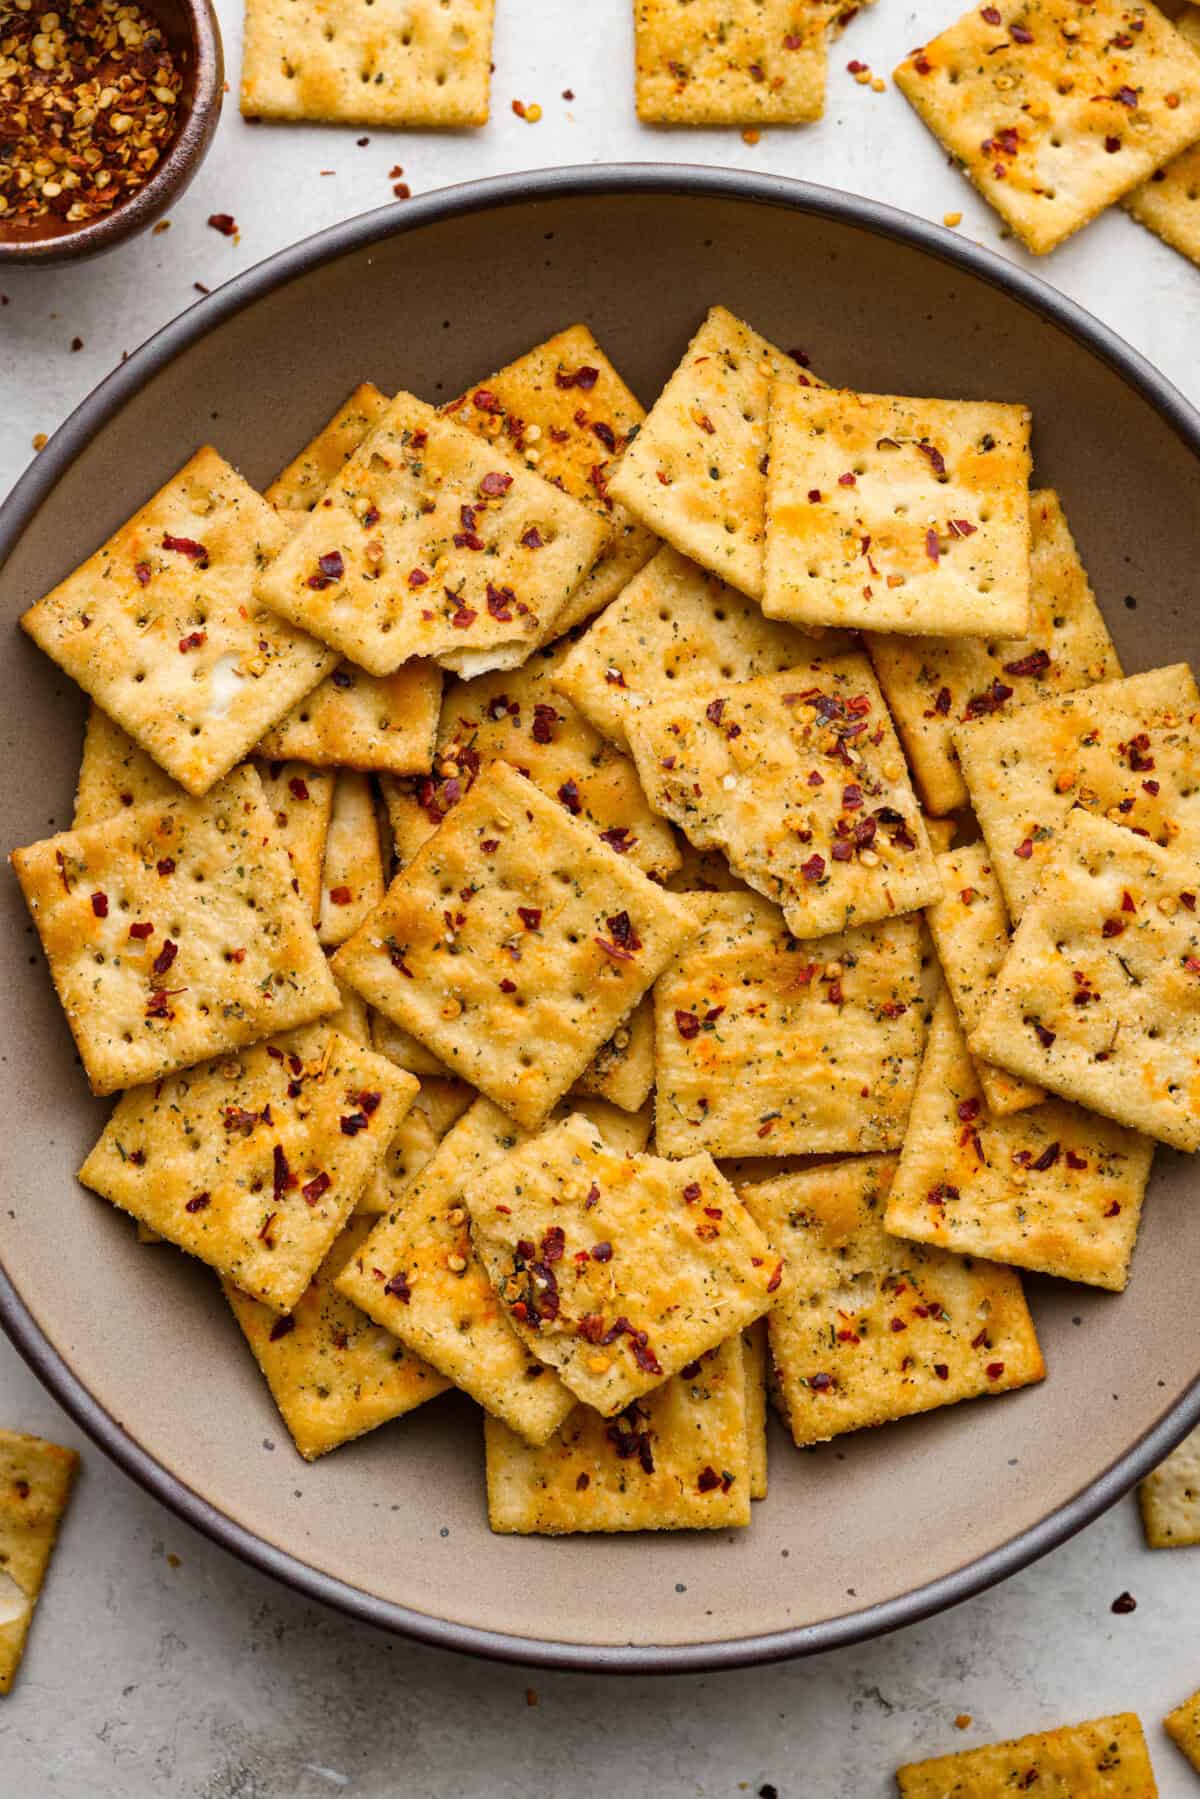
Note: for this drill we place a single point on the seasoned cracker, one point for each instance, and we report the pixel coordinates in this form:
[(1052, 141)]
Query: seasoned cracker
[(1105, 1758), (300, 801), (1183, 1727), (353, 1016), (1055, 1189), (406, 62), (400, 1047), (565, 412), (436, 1109), (712, 414), (357, 720), (675, 629), (703, 871), (299, 486), (769, 1046), (867, 1328), (333, 1373), (622, 1070), (1099, 997), (254, 1163), (933, 684), (431, 543), (352, 882), (114, 772), (1058, 107), (161, 629), (1170, 1498), (729, 62), (230, 951), (971, 931), (681, 1264), (798, 779), (514, 944), (754, 1353), (1128, 750), (35, 1485), (896, 514), (675, 1459)]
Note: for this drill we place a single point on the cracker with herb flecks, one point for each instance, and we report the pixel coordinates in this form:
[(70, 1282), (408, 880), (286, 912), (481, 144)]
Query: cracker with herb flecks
[(514, 944), (563, 410), (352, 882), (933, 684), (300, 801), (253, 1163), (1170, 1498), (617, 1269), (1105, 1758), (1183, 1727), (897, 514), (353, 1016), (403, 62), (729, 62), (1056, 108), (798, 779), (35, 1484), (867, 1328), (971, 932), (333, 1373), (431, 543), (115, 773), (765, 1045), (172, 933), (435, 1111), (160, 626), (402, 1048), (1128, 750), (675, 629), (1169, 203), (622, 1070), (299, 486), (754, 1353), (357, 720), (1099, 997), (1055, 1189), (675, 1459), (695, 472)]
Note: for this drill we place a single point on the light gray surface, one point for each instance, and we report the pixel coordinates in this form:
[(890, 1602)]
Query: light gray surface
[(206, 1679)]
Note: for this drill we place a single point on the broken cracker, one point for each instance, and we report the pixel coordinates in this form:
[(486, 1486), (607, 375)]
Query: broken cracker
[(352, 882), (622, 1070), (1183, 1727), (300, 800), (1170, 1498), (436, 1109), (1105, 1758), (35, 1485), (299, 486), (115, 773)]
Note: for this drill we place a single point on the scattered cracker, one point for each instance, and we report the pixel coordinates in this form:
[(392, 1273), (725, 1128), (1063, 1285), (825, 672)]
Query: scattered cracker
[(353, 1016), (299, 486), (407, 62), (1183, 1727), (514, 944), (114, 772), (1099, 997), (436, 1109), (357, 720), (160, 626), (799, 780), (1054, 1189), (1169, 203), (1056, 108), (1170, 1498), (352, 882), (622, 1070), (729, 62), (400, 1047), (35, 1485), (764, 1045), (933, 684), (1106, 1758), (300, 800), (754, 1352), (231, 951)]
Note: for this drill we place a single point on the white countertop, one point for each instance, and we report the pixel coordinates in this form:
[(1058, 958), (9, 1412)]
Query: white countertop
[(158, 1664)]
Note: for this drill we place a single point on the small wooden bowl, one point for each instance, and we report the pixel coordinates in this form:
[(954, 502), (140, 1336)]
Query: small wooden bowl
[(192, 31)]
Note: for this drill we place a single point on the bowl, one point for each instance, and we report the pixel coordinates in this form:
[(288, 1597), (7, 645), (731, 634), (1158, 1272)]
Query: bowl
[(857, 1536), (191, 29)]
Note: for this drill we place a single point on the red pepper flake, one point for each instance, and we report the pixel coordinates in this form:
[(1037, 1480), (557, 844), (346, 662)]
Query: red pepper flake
[(341, 896), (282, 1327), (141, 931), (898, 1324), (933, 548), (141, 572), (1123, 1604), (1048, 1158), (417, 578), (968, 1110), (1024, 849), (990, 15), (585, 378), (847, 480), (1112, 927), (530, 916), (990, 700), (1112, 145), (486, 401), (353, 1123), (224, 222), (814, 868), (815, 495), (186, 546), (1020, 35), (994, 1370), (936, 460), (922, 65), (100, 904), (618, 838), (281, 1175), (298, 788), (165, 957), (198, 1203), (714, 710), (553, 1244), (544, 720), (264, 1235), (500, 602), (602, 1252), (941, 1370), (192, 641), (687, 1024), (1127, 96), (1034, 664), (776, 1277), (463, 618), (1044, 1037), (507, 986), (312, 1190), (533, 539), (1127, 903), (708, 1480), (691, 1193), (1152, 788), (494, 484), (1187, 900), (1115, 1209), (568, 793), (821, 1383)]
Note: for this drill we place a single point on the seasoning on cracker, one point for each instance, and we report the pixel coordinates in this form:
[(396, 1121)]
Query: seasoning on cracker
[(622, 1070), (299, 485), (730, 62), (436, 1109), (1106, 1758), (35, 1484), (115, 773), (300, 801), (352, 881), (1183, 1727), (1170, 1498)]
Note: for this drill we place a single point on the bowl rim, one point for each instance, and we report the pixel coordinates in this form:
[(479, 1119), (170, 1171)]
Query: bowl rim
[(663, 179)]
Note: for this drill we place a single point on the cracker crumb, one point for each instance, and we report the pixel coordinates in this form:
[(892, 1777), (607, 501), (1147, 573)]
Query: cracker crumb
[(952, 219), (40, 440), (531, 1697), (751, 135), (963, 1721)]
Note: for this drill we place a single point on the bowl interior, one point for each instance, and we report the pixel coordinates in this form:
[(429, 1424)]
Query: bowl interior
[(400, 1516)]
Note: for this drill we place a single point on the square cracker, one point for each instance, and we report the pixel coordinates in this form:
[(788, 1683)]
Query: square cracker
[(436, 1109), (300, 800), (1054, 1189), (564, 411), (971, 933), (711, 415), (622, 1070), (799, 780), (1105, 1758), (675, 1459), (161, 629), (352, 882), (1126, 749), (1057, 108), (402, 1048), (35, 1485), (333, 1373), (729, 62), (115, 773), (514, 944), (431, 543), (933, 684), (866, 1328), (754, 1354), (896, 514), (682, 1265), (357, 720), (403, 62), (1099, 996), (1183, 1727), (254, 1164), (769, 1046), (675, 629), (231, 954), (299, 486), (1169, 203), (1170, 1498)]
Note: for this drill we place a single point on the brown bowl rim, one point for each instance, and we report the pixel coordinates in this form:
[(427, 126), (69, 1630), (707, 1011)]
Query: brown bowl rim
[(573, 182)]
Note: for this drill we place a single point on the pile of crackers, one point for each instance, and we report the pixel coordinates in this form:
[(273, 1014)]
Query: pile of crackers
[(514, 890)]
